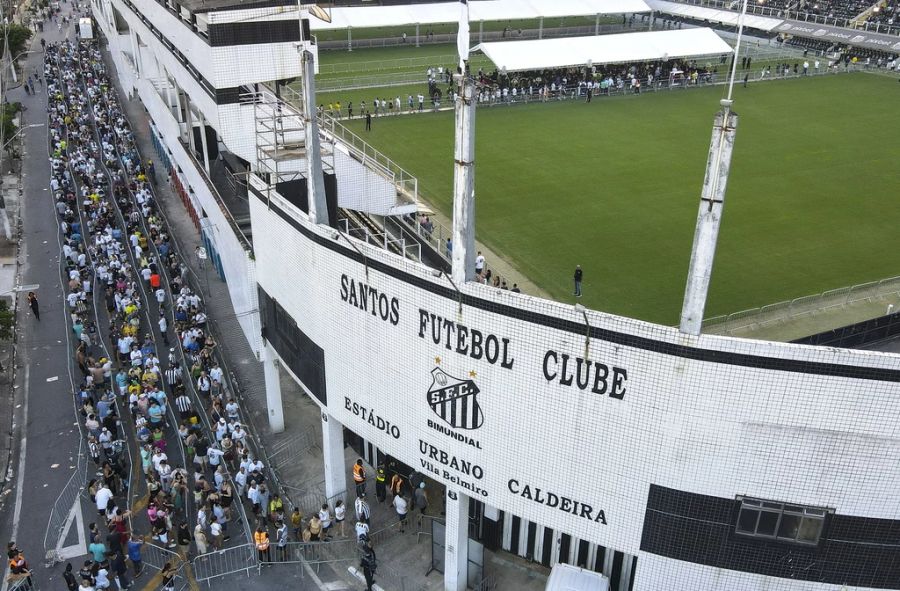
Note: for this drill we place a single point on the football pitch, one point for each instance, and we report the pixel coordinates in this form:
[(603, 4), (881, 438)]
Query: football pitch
[(813, 200)]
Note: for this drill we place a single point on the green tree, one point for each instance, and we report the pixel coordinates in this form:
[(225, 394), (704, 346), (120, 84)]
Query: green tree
[(10, 129), (18, 38), (7, 319)]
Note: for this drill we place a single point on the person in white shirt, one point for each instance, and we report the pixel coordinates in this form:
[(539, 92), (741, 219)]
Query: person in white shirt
[(479, 263), (102, 498), (325, 518), (402, 508), (362, 529)]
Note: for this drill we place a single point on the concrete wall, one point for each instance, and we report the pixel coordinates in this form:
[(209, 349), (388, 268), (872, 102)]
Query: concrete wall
[(709, 415)]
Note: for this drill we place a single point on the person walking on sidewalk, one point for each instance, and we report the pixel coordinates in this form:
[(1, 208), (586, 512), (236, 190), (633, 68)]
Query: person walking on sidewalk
[(369, 564), (35, 307), (359, 477)]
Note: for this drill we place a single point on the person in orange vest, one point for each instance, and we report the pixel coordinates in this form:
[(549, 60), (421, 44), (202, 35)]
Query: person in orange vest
[(359, 477), (261, 537)]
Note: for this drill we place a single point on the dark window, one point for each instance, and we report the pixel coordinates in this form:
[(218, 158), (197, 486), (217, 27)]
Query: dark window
[(770, 519)]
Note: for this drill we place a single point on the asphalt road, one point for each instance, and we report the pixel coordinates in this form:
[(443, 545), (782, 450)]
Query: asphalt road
[(45, 420)]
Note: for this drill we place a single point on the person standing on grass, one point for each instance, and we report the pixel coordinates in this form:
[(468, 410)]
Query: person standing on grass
[(578, 277), (350, 110), (368, 121)]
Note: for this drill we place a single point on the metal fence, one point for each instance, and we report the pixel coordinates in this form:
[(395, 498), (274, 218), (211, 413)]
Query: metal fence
[(803, 306), (837, 21), (68, 497), (223, 562)]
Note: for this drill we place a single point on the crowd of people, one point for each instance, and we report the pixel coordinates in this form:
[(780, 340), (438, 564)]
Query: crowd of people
[(172, 407), (150, 390)]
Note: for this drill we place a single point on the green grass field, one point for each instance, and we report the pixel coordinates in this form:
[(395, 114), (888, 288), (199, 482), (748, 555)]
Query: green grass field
[(812, 201)]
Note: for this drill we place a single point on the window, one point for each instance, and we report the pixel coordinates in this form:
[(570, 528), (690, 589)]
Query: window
[(780, 521)]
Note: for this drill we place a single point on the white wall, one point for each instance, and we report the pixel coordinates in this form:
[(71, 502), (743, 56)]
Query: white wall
[(711, 428)]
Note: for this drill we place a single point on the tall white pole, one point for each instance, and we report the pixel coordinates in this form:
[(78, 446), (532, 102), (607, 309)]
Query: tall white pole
[(712, 202), (463, 251), (709, 218), (315, 182)]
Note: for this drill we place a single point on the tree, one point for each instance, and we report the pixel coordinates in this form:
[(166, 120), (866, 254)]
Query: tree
[(18, 38), (7, 319), (9, 127)]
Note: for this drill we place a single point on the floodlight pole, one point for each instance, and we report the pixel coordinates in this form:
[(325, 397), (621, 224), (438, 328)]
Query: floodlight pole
[(315, 182), (712, 202), (709, 218), (463, 253), (463, 265)]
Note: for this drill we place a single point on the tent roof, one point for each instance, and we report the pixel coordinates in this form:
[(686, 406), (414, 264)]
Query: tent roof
[(603, 49), (715, 15), (343, 17)]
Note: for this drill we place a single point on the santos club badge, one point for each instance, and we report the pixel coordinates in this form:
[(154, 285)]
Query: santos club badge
[(454, 400)]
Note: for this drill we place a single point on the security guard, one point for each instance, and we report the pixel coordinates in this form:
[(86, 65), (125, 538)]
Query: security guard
[(359, 477), (261, 538), (380, 486)]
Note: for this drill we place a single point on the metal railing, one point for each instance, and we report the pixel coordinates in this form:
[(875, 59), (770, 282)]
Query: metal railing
[(444, 38), (376, 81), (292, 446), (783, 13), (407, 185), (802, 306), (405, 240), (68, 497), (227, 561), (405, 63)]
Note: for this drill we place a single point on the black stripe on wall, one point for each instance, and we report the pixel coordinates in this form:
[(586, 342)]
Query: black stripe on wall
[(854, 551), (251, 33), (299, 352), (222, 96), (624, 339)]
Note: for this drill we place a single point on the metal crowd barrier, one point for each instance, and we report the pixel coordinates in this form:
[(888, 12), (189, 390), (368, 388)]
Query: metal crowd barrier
[(225, 562), (71, 492)]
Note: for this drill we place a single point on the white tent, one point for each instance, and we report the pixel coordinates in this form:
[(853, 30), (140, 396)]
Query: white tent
[(714, 15), (485, 10), (603, 49)]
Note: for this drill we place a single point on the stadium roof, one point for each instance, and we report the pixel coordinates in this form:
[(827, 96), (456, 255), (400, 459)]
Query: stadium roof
[(603, 49), (712, 14), (484, 10)]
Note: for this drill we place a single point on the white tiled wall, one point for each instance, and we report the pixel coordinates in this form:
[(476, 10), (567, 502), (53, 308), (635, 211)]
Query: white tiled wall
[(697, 426)]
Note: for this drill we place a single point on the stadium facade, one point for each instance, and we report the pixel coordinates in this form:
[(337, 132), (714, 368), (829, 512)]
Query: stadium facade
[(665, 461)]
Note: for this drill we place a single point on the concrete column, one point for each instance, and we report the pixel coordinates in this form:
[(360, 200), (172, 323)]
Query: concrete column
[(417, 34), (709, 218), (315, 181), (463, 255), (541, 28), (456, 544), (333, 456), (597, 25), (189, 120), (349, 39), (203, 143), (132, 36), (480, 31), (273, 389)]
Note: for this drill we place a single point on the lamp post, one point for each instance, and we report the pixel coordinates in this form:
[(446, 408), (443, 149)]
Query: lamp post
[(12, 63)]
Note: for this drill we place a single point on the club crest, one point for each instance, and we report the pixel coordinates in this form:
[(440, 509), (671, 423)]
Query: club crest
[(454, 400)]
